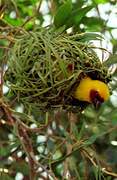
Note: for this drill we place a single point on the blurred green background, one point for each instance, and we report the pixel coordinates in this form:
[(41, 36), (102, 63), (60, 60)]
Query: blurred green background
[(60, 145)]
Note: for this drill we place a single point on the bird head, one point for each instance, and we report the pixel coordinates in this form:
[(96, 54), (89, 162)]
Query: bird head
[(96, 98), (92, 91)]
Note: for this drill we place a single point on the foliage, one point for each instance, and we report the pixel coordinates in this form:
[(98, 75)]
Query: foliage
[(55, 144)]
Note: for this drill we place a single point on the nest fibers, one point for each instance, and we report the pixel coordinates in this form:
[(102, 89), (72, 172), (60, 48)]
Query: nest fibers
[(45, 66)]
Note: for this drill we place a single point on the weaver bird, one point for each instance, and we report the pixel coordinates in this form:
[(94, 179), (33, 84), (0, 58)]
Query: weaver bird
[(92, 91)]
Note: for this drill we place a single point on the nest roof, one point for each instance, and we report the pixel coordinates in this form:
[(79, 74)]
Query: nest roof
[(45, 66)]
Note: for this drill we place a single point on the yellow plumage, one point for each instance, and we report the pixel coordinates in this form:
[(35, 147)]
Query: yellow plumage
[(85, 87)]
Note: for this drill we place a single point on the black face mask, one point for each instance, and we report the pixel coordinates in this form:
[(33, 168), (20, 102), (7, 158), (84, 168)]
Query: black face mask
[(96, 99)]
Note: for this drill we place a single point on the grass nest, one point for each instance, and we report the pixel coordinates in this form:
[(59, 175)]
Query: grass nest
[(44, 67)]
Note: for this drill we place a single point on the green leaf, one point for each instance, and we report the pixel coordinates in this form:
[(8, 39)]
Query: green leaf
[(29, 25), (93, 23), (21, 166), (91, 140), (77, 15), (6, 150), (85, 37), (82, 130), (111, 60), (114, 120), (63, 13), (75, 131), (101, 1), (90, 113), (4, 176), (14, 22), (91, 36), (34, 1)]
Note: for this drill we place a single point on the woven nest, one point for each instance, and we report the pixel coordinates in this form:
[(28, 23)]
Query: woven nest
[(44, 67)]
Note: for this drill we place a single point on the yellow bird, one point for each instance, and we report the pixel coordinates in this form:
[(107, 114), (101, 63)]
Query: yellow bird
[(92, 91)]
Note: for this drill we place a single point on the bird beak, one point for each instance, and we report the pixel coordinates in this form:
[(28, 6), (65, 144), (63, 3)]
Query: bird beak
[(97, 103)]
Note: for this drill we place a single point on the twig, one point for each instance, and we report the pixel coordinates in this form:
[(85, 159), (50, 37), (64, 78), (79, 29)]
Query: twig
[(16, 8), (93, 161), (25, 141), (27, 146), (7, 111), (86, 172), (9, 38), (38, 8), (27, 20), (66, 162)]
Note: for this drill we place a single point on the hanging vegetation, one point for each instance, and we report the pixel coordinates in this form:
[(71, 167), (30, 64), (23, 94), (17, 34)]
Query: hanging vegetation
[(45, 67)]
